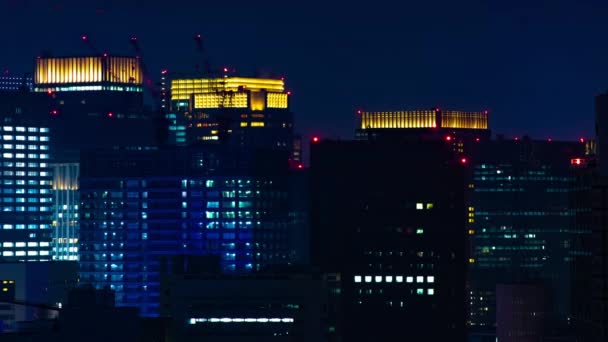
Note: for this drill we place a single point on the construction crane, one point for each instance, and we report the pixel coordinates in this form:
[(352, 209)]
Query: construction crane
[(147, 81)]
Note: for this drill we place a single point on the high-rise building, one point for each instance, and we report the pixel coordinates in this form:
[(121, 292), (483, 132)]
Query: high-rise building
[(15, 83), (139, 205), (238, 111), (389, 220), (459, 128), (26, 216), (65, 217), (520, 223)]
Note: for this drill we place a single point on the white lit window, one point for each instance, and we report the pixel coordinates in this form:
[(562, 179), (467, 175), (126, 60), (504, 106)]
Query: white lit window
[(20, 147), (30, 253), (32, 138), (20, 129), (44, 252), (7, 226), (44, 244), (7, 146), (430, 279), (32, 147), (7, 137), (20, 253), (44, 174), (7, 253), (419, 206), (357, 279), (7, 155), (378, 279), (368, 279), (44, 130), (32, 129), (399, 279), (8, 128), (409, 279), (388, 279), (7, 244), (44, 138), (44, 147), (32, 244), (44, 156), (20, 244), (20, 155), (430, 292), (20, 137), (420, 279)]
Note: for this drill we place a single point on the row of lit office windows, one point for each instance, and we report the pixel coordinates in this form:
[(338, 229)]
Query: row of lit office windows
[(22, 191), (23, 182), (22, 155), (23, 129), (389, 279), (29, 173), (22, 147), (23, 244), (23, 253), (22, 164), (29, 200), (23, 209), (9, 137)]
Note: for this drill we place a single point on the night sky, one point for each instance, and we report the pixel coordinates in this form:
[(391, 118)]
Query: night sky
[(535, 65)]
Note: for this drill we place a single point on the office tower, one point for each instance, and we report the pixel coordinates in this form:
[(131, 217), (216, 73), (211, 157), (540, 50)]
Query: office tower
[(67, 199), (140, 204), (520, 224), (521, 309), (389, 220), (15, 83), (243, 112), (93, 98), (26, 216), (459, 128)]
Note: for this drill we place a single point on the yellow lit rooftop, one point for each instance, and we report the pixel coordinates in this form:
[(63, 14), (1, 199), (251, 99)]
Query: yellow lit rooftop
[(181, 89), (423, 119)]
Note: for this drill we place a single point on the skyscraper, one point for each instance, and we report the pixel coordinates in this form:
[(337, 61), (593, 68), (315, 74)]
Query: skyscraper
[(26, 216), (141, 204), (519, 223), (243, 112), (389, 219)]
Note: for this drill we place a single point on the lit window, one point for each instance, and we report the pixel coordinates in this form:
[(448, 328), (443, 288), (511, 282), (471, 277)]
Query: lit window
[(430, 292), (419, 231), (419, 206), (7, 137), (20, 253), (7, 253), (20, 137), (44, 244), (44, 252), (429, 205), (378, 279), (357, 279), (399, 279), (7, 155), (420, 279), (409, 279), (420, 291), (7, 244), (368, 279), (388, 279), (20, 244), (257, 124), (430, 279)]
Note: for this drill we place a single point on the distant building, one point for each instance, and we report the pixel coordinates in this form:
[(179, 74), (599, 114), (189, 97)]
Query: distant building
[(66, 199), (389, 220), (242, 112), (33, 291), (15, 83), (287, 305), (521, 312), (460, 129), (140, 204), (27, 200), (520, 223)]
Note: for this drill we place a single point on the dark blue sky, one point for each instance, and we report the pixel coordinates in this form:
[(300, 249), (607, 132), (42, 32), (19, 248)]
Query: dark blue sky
[(535, 65)]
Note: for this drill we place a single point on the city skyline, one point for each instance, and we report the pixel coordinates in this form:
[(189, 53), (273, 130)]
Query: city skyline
[(529, 65)]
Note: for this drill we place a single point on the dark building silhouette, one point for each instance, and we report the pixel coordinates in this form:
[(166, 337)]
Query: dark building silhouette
[(521, 312), (140, 204), (389, 220), (520, 225), (279, 305)]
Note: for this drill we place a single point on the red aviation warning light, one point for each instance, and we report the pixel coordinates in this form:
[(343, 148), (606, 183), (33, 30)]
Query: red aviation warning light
[(110, 114), (577, 161), (448, 138), (582, 140), (463, 160), (54, 112), (315, 139), (300, 166)]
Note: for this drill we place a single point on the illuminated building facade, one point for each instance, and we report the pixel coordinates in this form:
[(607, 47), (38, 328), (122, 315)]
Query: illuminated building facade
[(65, 215), (520, 224), (14, 83), (459, 128), (27, 200), (389, 219), (139, 205), (241, 112)]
